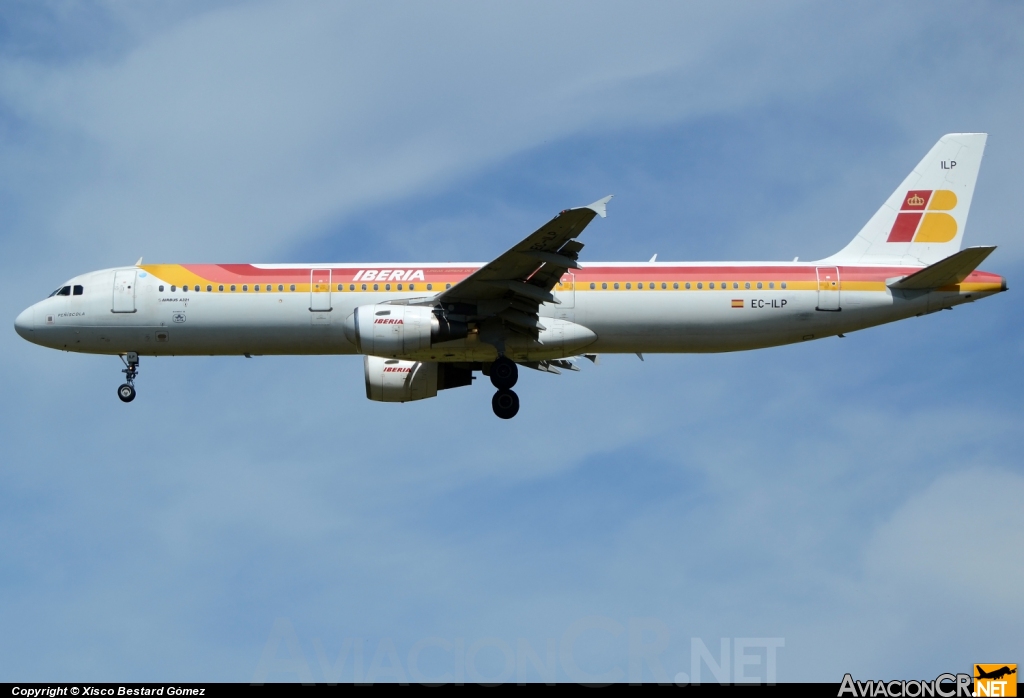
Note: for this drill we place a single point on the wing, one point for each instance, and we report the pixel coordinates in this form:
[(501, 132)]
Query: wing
[(512, 287)]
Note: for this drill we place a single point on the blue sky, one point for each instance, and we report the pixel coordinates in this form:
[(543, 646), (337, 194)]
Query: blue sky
[(858, 497)]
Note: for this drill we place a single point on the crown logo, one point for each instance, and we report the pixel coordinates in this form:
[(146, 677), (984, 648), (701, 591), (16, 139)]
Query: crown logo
[(915, 200)]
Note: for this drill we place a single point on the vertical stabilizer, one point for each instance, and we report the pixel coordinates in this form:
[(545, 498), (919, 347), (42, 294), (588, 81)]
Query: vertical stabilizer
[(924, 219)]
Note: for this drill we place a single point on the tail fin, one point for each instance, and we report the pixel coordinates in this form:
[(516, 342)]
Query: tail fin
[(924, 219)]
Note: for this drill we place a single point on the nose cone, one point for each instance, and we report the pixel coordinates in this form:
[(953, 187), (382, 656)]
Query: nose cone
[(25, 323)]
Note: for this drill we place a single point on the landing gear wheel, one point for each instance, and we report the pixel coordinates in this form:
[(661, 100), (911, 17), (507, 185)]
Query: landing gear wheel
[(504, 373), (131, 371), (505, 404), (126, 393)]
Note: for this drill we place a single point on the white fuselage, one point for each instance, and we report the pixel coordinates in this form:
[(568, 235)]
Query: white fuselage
[(593, 315)]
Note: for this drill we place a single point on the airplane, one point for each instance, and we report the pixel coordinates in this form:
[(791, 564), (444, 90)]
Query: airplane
[(424, 328), (995, 674)]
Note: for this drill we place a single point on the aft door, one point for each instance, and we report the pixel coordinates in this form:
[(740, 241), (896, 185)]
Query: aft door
[(320, 290), (124, 292), (828, 288)]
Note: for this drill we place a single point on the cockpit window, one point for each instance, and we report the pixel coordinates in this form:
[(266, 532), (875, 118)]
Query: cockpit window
[(66, 291)]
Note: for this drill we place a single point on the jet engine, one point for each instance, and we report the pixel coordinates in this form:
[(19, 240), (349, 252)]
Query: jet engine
[(393, 330), (393, 380)]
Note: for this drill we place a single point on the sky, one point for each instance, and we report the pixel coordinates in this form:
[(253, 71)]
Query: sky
[(796, 513)]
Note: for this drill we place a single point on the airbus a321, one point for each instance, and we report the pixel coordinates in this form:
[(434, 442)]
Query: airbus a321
[(423, 328)]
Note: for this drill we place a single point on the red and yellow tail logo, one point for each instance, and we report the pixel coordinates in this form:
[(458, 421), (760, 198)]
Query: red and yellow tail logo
[(914, 224), (995, 680)]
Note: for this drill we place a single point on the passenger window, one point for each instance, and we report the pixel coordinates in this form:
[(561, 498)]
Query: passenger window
[(759, 285), (430, 287), (412, 287), (628, 286), (221, 287), (175, 288), (675, 286), (735, 285), (292, 287), (711, 285), (771, 284), (161, 288), (783, 284), (341, 287), (387, 287), (604, 286), (256, 287), (232, 287), (209, 288), (652, 286), (78, 290), (280, 287), (376, 287), (593, 286), (746, 285), (616, 285), (447, 286), (663, 286), (700, 285), (364, 287), (245, 287)]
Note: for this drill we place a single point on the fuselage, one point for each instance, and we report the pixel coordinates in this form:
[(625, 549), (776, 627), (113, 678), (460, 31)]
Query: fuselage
[(209, 309)]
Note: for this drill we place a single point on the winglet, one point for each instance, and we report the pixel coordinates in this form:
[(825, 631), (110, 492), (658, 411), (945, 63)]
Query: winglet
[(600, 206), (139, 263)]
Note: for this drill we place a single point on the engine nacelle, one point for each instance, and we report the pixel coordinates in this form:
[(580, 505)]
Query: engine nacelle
[(394, 330), (394, 380)]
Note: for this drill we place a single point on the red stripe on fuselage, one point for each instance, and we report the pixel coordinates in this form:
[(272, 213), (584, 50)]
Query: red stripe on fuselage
[(242, 273)]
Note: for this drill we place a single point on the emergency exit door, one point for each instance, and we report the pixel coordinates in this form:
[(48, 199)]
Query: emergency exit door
[(565, 291), (320, 290)]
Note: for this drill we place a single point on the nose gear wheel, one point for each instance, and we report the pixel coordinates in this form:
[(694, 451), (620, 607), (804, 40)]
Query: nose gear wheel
[(126, 391)]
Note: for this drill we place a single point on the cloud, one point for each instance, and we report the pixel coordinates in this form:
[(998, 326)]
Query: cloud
[(959, 535), (229, 133)]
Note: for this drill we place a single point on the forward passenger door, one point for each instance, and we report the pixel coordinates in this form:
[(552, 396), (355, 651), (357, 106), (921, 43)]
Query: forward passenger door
[(124, 291)]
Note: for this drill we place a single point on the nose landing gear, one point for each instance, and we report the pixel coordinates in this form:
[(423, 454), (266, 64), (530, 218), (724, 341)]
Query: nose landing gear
[(504, 374), (126, 391)]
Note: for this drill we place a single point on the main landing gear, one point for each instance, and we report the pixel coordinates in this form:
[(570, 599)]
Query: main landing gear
[(504, 374), (131, 371)]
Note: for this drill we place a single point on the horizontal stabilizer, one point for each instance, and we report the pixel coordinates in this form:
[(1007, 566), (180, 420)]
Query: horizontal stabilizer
[(947, 272)]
